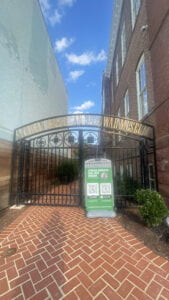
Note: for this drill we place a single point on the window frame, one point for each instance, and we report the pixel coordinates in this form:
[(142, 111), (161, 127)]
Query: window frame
[(117, 69), (134, 11), (123, 44), (126, 105), (140, 92)]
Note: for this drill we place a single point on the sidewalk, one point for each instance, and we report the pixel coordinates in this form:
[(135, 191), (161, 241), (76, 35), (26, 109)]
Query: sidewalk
[(63, 255)]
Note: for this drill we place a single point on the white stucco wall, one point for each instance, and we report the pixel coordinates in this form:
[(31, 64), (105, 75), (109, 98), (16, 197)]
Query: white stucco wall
[(31, 85)]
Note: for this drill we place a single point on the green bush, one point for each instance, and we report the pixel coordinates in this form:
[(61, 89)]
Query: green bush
[(153, 209), (126, 185), (67, 171)]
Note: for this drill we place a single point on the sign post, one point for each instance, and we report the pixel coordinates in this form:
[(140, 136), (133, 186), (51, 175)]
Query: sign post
[(99, 194)]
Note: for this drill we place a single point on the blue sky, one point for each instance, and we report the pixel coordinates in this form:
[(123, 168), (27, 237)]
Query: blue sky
[(80, 31)]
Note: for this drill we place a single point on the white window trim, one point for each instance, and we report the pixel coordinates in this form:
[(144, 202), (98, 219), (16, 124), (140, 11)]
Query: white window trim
[(123, 44), (133, 13), (142, 59), (117, 70), (126, 107)]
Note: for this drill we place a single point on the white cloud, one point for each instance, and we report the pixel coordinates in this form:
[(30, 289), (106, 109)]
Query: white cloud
[(66, 2), (74, 75), (86, 58), (55, 18), (51, 18), (45, 6), (84, 106), (78, 112), (61, 45)]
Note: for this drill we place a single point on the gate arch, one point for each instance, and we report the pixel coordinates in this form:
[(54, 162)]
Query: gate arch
[(42, 146)]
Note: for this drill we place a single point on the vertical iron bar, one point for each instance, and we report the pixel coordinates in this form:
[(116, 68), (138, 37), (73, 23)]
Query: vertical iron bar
[(155, 160), (14, 166), (146, 164), (27, 169), (59, 187), (20, 172), (142, 164), (81, 166), (36, 158)]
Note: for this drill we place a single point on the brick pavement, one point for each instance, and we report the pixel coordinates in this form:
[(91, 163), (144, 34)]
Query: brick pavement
[(63, 255)]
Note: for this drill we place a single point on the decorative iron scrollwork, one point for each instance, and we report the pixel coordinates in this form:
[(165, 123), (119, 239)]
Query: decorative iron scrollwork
[(56, 139), (41, 142), (91, 137), (71, 138)]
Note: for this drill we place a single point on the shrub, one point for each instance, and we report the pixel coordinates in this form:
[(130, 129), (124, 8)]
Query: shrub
[(126, 185), (153, 209), (67, 171)]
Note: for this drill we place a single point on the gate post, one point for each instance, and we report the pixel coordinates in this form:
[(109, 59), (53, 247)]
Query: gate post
[(81, 167)]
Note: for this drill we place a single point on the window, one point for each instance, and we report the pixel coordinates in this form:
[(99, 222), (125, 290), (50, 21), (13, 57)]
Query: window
[(119, 112), (117, 70), (126, 105), (141, 89), (123, 44), (135, 5), (151, 177)]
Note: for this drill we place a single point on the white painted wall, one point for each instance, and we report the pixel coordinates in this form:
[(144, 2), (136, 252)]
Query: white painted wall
[(31, 85)]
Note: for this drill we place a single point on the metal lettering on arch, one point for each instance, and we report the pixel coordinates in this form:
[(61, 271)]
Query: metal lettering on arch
[(109, 123)]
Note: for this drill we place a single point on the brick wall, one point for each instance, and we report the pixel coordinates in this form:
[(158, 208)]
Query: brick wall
[(159, 48), (137, 44), (154, 43)]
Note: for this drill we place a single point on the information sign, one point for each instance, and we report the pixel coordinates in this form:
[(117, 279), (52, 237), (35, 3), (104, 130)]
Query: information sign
[(99, 194)]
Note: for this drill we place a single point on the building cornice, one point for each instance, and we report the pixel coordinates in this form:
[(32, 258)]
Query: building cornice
[(113, 36)]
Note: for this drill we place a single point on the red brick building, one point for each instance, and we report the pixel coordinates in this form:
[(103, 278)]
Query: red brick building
[(136, 79)]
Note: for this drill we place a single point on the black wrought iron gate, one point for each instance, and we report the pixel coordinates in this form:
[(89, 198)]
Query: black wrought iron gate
[(50, 166)]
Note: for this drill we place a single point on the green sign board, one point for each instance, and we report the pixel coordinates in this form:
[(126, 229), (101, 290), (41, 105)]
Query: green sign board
[(99, 194)]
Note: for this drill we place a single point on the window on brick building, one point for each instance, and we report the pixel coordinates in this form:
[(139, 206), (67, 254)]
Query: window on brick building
[(135, 5), (126, 105), (123, 44), (117, 70), (142, 98)]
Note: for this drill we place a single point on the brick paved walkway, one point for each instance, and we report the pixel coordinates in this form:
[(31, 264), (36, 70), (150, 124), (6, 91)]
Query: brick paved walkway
[(63, 255)]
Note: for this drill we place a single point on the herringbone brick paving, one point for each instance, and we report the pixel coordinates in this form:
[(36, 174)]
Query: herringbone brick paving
[(63, 255)]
